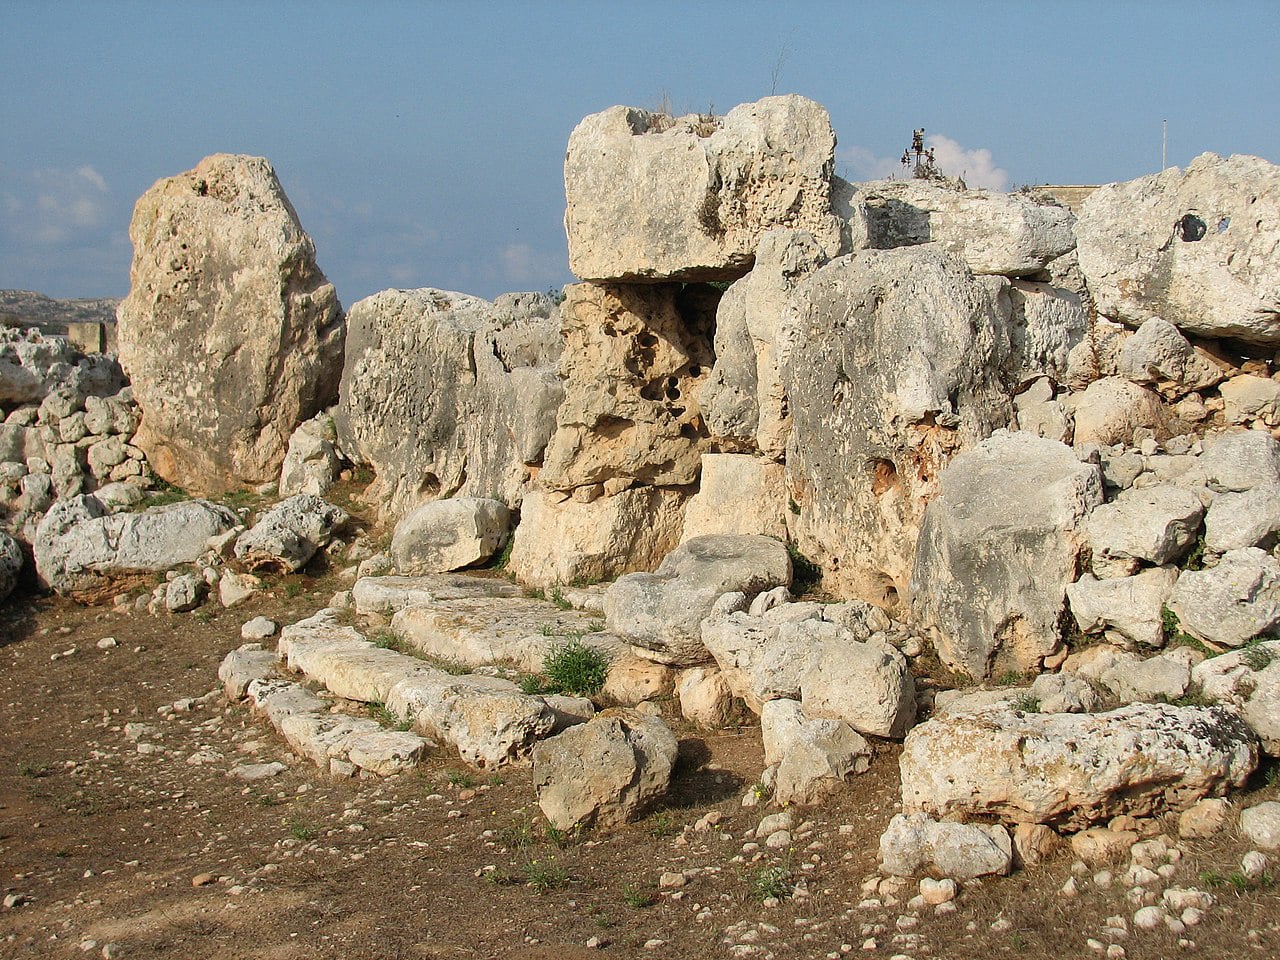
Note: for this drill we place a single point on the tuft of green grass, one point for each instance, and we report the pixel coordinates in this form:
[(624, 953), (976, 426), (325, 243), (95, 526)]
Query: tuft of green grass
[(662, 824), (543, 876), (1194, 697), (805, 574), (535, 593), (33, 770), (637, 898), (302, 830), (455, 668), (388, 718), (1194, 560), (1010, 678), (1256, 657), (502, 559), (1025, 703), (576, 669), (460, 779), (386, 639), (557, 597), (771, 882), (562, 838)]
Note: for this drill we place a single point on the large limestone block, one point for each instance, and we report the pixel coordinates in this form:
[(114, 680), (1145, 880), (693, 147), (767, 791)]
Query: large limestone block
[(1232, 602), (444, 535), (1072, 770), (444, 394), (230, 334), (604, 772), (662, 611), (1247, 398), (1248, 680), (650, 197), (738, 494), (287, 536), (1241, 460), (387, 595), (1111, 409), (745, 401), (998, 547), (867, 685), (813, 756), (1195, 247), (1156, 524), (763, 658), (1129, 605), (1048, 323), (79, 548), (998, 233), (311, 459), (914, 843), (1159, 354), (633, 364), (896, 362), (1250, 518), (562, 539)]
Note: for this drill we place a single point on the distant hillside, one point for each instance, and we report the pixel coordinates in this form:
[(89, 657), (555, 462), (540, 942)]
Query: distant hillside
[(25, 308)]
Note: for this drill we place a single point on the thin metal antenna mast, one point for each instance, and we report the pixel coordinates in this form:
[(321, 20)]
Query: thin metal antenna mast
[(1164, 147)]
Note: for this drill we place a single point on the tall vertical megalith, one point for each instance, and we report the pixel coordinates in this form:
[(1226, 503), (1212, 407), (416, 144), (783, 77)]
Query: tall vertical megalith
[(231, 334)]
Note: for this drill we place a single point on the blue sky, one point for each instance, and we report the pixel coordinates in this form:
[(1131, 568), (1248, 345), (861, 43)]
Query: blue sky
[(422, 143)]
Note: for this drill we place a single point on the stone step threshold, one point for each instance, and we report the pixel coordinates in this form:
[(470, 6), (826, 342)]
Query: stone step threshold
[(487, 719)]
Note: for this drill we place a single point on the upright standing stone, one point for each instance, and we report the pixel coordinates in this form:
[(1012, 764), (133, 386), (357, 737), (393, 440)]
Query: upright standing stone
[(230, 334)]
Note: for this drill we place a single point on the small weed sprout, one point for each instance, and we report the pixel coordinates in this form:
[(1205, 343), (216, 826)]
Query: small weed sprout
[(1256, 657), (388, 718), (542, 876), (1025, 703), (771, 882), (302, 830), (386, 639), (557, 597), (460, 779), (637, 898)]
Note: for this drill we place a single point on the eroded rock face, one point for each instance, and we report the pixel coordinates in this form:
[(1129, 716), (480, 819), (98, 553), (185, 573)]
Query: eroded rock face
[(634, 361), (444, 394), (446, 535), (230, 333), (10, 565), (1232, 602), (655, 198), (738, 494), (604, 772), (896, 361), (991, 571), (998, 233), (1195, 247), (961, 851), (1073, 770), (288, 535)]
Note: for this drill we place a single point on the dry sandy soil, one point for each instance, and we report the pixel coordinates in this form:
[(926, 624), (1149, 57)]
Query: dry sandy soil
[(145, 847)]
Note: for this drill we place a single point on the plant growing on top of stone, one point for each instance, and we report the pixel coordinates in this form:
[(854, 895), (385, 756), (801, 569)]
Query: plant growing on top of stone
[(576, 669)]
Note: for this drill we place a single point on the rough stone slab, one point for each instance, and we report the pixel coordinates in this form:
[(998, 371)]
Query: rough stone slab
[(1232, 602), (242, 666), (1250, 681), (1129, 605), (960, 851), (651, 197), (1241, 460), (813, 755), (444, 535), (389, 594), (1073, 770)]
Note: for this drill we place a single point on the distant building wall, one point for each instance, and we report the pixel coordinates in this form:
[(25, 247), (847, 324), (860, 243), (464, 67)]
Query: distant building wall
[(1070, 195)]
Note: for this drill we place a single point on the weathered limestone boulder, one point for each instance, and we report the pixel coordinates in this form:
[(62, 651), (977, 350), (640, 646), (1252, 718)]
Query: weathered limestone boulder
[(896, 362), (1111, 409), (1131, 606), (1232, 602), (288, 535), (811, 756), (1049, 692), (184, 592), (744, 401), (650, 197), (242, 666), (996, 233), (1072, 770), (1241, 460), (662, 611), (867, 685), (10, 565), (444, 535), (231, 335), (604, 772), (311, 460), (1157, 524), (1195, 247), (1039, 413), (739, 494), (1249, 680), (1260, 824), (1250, 518), (79, 548), (705, 697), (1248, 398), (762, 658), (915, 843), (444, 394), (1166, 676), (991, 572), (634, 360), (595, 539), (1158, 354)]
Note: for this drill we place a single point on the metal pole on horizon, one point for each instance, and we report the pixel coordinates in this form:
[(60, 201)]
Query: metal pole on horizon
[(1164, 146)]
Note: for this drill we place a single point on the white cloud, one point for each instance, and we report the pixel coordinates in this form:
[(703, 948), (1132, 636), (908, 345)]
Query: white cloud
[(522, 264), (975, 166), (54, 205)]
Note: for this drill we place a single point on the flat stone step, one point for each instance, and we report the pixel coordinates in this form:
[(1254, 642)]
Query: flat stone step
[(386, 595), (516, 630)]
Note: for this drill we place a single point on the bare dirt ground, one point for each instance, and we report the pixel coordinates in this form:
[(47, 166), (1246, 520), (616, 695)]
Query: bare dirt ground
[(138, 844)]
